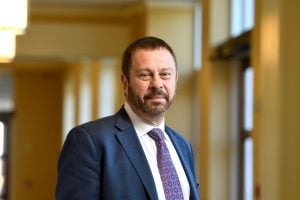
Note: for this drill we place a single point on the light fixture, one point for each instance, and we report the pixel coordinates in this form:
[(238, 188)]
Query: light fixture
[(13, 21), (7, 45)]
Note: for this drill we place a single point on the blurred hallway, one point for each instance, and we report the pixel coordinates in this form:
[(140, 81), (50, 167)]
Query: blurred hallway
[(238, 89)]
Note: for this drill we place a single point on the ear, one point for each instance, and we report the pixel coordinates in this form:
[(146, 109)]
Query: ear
[(125, 83), (176, 79)]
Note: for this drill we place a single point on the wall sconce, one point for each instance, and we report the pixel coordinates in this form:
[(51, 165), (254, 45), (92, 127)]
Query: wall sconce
[(13, 21)]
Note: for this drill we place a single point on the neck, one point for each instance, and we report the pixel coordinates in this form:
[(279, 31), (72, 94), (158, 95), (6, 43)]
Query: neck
[(153, 120)]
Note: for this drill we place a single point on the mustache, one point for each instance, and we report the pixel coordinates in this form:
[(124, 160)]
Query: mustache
[(155, 92)]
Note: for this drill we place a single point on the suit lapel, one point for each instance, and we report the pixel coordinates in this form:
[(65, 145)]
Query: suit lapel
[(183, 156), (131, 144)]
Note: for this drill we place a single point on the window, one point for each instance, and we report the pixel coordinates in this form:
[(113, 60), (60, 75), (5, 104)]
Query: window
[(197, 36), (242, 21), (107, 86), (242, 16), (4, 118), (85, 93), (234, 50), (247, 141)]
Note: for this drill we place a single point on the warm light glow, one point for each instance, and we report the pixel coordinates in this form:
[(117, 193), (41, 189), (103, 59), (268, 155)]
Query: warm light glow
[(13, 21), (13, 15), (7, 45)]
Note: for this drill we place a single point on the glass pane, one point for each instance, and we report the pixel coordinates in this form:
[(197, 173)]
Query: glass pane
[(248, 99), (107, 87), (236, 18), (249, 15), (197, 36), (6, 91), (248, 169), (85, 106), (2, 178), (242, 16), (68, 106), (1, 139)]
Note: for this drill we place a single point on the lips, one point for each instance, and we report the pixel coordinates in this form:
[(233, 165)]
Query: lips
[(157, 97)]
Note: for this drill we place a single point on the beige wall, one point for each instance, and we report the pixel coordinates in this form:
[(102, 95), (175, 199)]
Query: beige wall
[(275, 58), (54, 42), (54, 49), (175, 25), (36, 139), (219, 137), (57, 34), (277, 99), (59, 39), (219, 22)]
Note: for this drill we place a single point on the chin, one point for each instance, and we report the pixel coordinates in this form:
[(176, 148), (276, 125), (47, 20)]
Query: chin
[(155, 109)]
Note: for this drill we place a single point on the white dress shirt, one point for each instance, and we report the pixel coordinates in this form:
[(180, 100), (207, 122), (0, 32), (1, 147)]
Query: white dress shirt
[(149, 148)]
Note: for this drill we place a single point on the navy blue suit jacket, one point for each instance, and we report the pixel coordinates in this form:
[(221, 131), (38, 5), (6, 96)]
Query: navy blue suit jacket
[(104, 159)]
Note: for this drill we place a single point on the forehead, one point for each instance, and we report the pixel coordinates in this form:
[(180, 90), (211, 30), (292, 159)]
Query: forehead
[(153, 57)]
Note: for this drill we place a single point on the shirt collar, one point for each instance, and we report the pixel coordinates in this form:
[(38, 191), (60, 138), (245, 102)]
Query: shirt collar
[(140, 126)]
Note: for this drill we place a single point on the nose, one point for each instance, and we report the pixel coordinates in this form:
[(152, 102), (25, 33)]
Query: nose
[(156, 82)]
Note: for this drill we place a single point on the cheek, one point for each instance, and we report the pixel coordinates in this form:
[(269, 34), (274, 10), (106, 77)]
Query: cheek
[(140, 87), (171, 88)]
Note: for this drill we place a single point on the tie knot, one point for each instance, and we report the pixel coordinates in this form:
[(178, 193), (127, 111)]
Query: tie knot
[(156, 134)]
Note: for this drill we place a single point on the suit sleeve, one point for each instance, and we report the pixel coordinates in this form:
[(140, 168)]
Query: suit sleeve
[(78, 168)]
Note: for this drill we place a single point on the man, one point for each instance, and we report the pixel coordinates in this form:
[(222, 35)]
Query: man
[(132, 154)]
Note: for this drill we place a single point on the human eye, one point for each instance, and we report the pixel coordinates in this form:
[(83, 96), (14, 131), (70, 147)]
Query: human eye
[(144, 75), (165, 75)]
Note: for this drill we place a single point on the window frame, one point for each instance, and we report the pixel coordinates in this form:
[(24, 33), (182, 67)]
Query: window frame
[(244, 134), (237, 50)]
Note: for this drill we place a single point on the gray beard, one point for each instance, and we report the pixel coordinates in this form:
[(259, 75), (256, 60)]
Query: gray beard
[(147, 107)]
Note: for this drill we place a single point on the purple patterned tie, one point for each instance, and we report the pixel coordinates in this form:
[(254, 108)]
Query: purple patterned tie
[(168, 175)]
